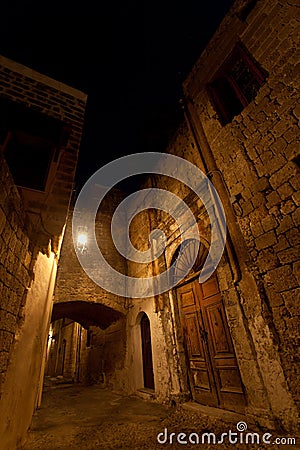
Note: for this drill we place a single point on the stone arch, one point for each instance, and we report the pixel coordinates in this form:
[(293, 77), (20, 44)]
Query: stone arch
[(75, 321), (189, 251), (139, 317), (86, 313)]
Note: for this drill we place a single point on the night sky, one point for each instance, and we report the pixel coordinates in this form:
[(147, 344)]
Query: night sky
[(130, 58)]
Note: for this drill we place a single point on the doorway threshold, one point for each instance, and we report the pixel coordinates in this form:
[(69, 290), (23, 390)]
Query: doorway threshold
[(146, 393), (217, 413)]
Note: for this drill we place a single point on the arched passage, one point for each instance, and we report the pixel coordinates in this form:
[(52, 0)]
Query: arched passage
[(87, 342), (86, 313)]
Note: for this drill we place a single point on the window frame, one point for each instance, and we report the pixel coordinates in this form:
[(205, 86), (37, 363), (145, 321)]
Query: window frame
[(257, 72)]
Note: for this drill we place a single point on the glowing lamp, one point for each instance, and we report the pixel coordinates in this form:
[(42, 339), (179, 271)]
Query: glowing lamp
[(82, 239)]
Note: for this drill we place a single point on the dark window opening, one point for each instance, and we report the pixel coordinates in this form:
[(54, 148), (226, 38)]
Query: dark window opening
[(236, 84), (29, 159), (31, 141)]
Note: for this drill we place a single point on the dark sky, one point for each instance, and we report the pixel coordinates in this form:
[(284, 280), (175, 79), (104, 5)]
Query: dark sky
[(128, 56)]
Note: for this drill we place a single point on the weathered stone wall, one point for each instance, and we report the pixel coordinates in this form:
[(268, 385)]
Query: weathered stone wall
[(169, 365), (255, 153), (253, 163), (104, 358), (72, 282), (29, 249), (93, 359), (22, 383), (16, 264), (62, 355), (64, 352), (65, 104), (100, 362), (27, 282)]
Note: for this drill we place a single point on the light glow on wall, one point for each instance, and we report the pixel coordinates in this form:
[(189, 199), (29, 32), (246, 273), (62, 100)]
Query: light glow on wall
[(82, 239)]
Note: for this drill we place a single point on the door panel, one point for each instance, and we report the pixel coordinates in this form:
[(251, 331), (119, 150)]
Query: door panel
[(213, 370), (218, 328), (200, 372)]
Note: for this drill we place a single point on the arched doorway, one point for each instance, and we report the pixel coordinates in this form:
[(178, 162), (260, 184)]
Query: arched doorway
[(147, 352), (62, 356), (212, 366)]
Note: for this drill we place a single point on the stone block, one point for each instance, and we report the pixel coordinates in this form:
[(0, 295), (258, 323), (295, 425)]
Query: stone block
[(289, 255), (285, 224), (296, 217), (261, 185), (283, 175), (291, 134), (4, 357), (8, 321), (278, 146), (296, 198), (265, 240), (281, 279), (267, 260), (273, 199), (285, 191), (257, 229), (282, 243), (292, 236), (6, 339), (269, 223), (275, 299), (287, 207), (296, 111)]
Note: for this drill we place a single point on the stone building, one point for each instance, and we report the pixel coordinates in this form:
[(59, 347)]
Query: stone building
[(229, 342), (40, 132)]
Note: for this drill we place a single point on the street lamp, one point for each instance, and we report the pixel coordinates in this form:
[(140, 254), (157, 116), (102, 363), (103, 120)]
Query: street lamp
[(82, 239)]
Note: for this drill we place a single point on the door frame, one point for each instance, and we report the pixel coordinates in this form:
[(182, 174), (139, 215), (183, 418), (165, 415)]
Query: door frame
[(148, 371), (209, 399), (192, 278)]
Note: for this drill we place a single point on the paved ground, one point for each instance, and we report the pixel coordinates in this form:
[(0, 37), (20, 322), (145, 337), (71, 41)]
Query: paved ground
[(77, 417)]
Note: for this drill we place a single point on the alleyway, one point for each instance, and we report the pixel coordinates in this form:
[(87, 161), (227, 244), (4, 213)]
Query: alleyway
[(76, 417)]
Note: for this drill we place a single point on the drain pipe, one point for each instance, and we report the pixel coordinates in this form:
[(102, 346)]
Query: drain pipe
[(211, 169)]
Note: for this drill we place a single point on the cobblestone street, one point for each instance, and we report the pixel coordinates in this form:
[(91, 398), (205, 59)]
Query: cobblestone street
[(77, 417)]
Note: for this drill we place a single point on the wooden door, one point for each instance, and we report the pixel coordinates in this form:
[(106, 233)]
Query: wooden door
[(213, 370), (147, 353)]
